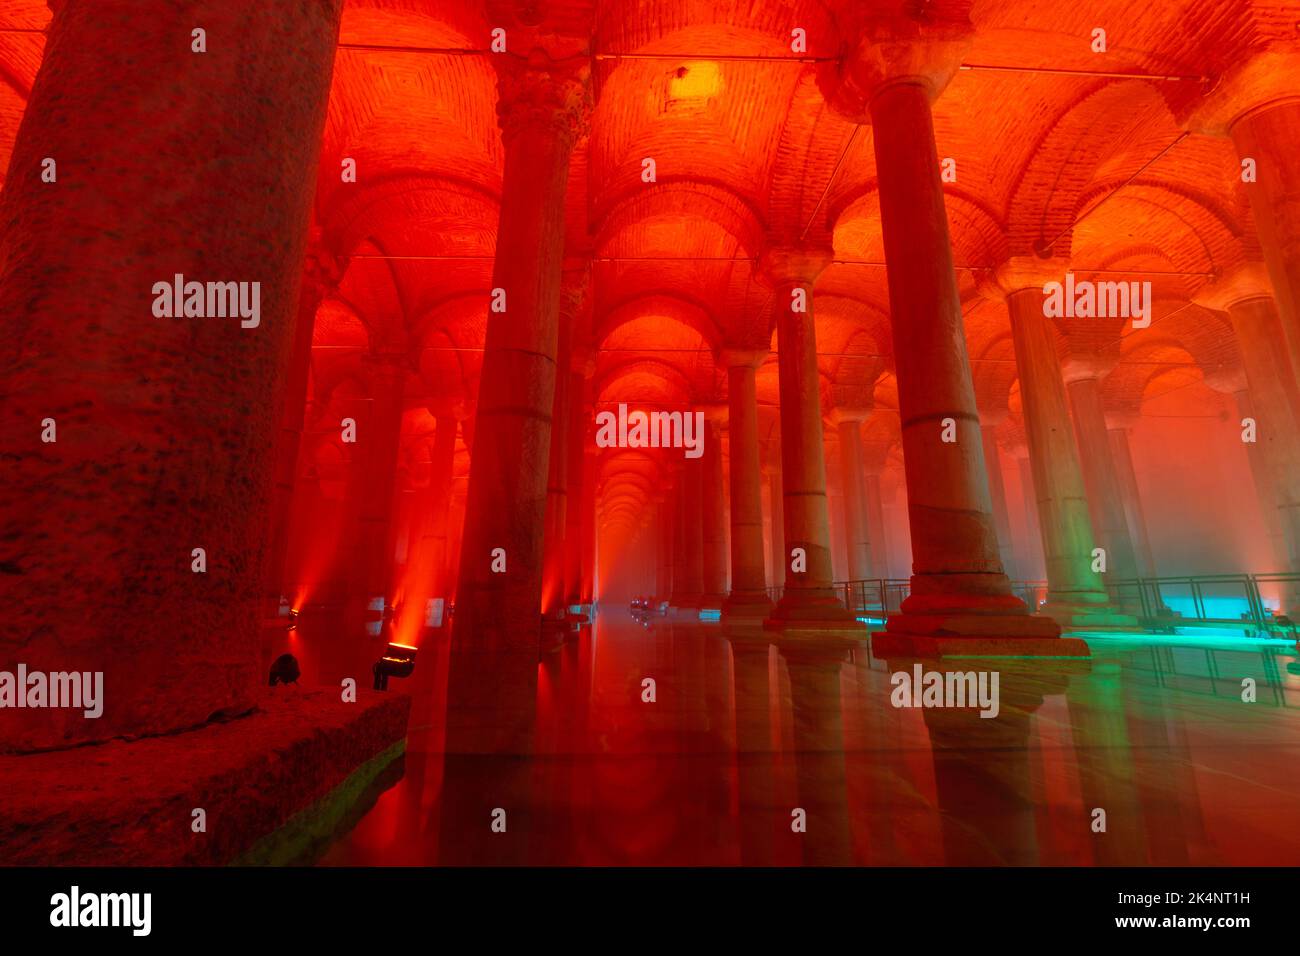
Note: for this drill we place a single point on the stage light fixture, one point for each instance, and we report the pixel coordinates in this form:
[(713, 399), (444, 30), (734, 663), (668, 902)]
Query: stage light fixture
[(398, 661)]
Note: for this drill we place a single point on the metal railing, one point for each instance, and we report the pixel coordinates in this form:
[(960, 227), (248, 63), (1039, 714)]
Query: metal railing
[(1160, 603)]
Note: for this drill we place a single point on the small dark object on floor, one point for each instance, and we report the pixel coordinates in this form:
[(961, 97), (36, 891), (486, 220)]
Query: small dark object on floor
[(285, 670)]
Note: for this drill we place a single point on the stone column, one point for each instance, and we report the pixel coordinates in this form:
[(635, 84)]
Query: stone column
[(1076, 595), (1119, 428), (1033, 527), (989, 423), (1263, 478), (588, 544), (1256, 105), (495, 634), (320, 275), (1246, 296), (437, 528), (688, 546), (378, 444), (713, 514), (748, 598), (848, 423), (775, 503), (199, 165), (555, 518), (1101, 479), (960, 593), (667, 521), (582, 365), (876, 525), (809, 601)]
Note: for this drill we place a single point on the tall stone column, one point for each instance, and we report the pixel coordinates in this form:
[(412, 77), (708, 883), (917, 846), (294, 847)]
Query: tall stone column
[(848, 423), (1101, 478), (1076, 594), (589, 473), (960, 593), (582, 365), (1033, 527), (809, 601), (688, 546), (555, 519), (541, 104), (492, 679), (378, 444), (1263, 478), (199, 165), (1119, 428), (876, 525), (989, 423), (713, 514), (436, 539), (1246, 296), (748, 598), (775, 504), (1256, 106), (320, 275), (667, 521)]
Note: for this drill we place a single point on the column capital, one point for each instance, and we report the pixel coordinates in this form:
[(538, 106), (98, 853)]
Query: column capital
[(731, 357), (852, 399), (1084, 367), (1122, 419), (715, 413), (1264, 80), (454, 408), (1226, 379), (1018, 273), (1244, 282), (842, 414), (795, 265), (993, 417), (536, 92), (882, 51)]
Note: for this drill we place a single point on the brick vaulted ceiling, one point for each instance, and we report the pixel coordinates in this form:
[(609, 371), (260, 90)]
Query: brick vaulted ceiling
[(748, 153)]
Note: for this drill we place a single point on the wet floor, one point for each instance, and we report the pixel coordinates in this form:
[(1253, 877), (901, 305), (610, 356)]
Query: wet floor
[(1165, 751)]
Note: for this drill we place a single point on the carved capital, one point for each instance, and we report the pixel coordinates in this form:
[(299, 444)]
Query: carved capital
[(795, 265), (1245, 282), (1018, 273), (538, 93), (881, 51)]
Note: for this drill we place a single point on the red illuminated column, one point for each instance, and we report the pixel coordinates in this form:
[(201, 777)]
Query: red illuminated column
[(748, 598), (876, 525), (540, 109), (589, 464), (959, 589), (435, 542), (809, 601), (1101, 478), (377, 445), (1256, 106), (775, 502), (848, 422), (997, 487), (582, 365), (320, 274), (688, 553), (1246, 296), (667, 516), (1033, 527), (1076, 593), (1119, 426), (168, 162), (713, 513)]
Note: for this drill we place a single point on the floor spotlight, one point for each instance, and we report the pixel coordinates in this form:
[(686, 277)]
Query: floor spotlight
[(398, 661)]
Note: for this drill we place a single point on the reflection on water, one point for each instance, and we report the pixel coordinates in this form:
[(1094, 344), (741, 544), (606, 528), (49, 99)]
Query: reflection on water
[(756, 754)]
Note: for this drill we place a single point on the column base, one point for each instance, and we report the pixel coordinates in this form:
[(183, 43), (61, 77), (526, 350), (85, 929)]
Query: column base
[(747, 607), (971, 626), (814, 611), (1091, 616)]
